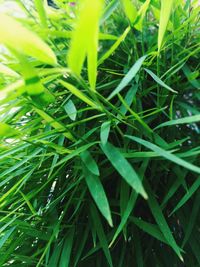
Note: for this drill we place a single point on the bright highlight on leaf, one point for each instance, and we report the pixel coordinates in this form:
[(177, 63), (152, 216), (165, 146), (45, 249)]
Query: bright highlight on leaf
[(15, 36), (166, 7), (84, 41)]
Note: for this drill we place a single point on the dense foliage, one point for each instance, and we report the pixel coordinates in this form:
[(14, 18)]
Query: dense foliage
[(99, 126)]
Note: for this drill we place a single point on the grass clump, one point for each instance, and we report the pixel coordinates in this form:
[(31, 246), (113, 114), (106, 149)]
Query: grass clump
[(99, 150)]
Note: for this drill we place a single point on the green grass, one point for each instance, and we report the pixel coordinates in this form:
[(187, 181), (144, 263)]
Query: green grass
[(100, 134)]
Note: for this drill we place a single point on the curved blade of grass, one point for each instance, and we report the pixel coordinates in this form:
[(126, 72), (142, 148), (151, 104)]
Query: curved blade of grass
[(165, 154), (128, 77), (19, 38), (186, 120), (97, 191), (165, 12), (159, 81), (54, 260), (123, 167)]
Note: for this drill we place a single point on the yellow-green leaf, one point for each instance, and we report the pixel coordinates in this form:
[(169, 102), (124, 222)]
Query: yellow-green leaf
[(17, 37), (166, 7), (39, 4), (130, 10), (6, 130), (85, 39), (7, 71), (79, 94), (141, 14)]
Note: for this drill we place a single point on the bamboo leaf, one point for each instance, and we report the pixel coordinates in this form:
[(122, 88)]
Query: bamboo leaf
[(88, 160), (130, 10), (97, 191), (165, 12), (186, 120), (79, 94), (160, 219), (128, 77), (41, 12), (166, 154), (123, 167), (67, 249), (159, 81), (14, 35), (114, 46), (85, 39), (188, 195), (71, 110), (105, 129), (100, 233)]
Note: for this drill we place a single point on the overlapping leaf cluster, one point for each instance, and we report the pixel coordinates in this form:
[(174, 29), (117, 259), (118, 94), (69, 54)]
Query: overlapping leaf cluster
[(100, 135)]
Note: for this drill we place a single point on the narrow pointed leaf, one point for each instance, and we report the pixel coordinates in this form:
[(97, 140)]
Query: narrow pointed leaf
[(128, 77), (89, 161), (166, 154), (186, 120), (97, 191), (67, 249), (159, 81), (124, 168), (166, 7), (161, 221), (105, 129)]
